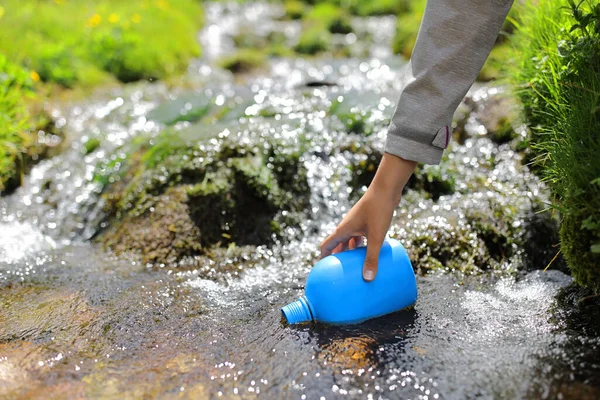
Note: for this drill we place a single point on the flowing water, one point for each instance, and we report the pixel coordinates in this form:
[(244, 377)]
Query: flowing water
[(78, 322)]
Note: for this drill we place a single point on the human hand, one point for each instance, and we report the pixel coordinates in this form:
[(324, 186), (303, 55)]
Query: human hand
[(372, 214)]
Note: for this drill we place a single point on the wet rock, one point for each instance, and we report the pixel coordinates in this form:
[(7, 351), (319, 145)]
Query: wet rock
[(487, 111), (432, 181), (443, 242), (463, 233), (364, 161), (44, 315), (186, 191), (573, 362), (541, 241)]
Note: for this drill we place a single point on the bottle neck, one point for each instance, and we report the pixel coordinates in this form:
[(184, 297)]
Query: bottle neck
[(298, 311)]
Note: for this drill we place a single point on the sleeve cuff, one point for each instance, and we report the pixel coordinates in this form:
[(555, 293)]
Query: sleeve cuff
[(414, 151)]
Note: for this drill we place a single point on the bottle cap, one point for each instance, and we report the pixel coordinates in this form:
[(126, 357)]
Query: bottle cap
[(296, 312)]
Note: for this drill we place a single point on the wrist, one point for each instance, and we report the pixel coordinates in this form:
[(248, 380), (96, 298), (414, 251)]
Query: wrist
[(392, 175)]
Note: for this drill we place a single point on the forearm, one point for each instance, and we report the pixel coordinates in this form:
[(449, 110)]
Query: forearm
[(455, 38), (391, 177)]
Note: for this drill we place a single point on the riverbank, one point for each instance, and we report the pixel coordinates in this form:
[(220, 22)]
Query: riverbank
[(58, 44)]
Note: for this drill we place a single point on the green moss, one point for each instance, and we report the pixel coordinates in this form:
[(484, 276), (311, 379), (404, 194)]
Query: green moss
[(243, 60), (433, 180), (206, 195)]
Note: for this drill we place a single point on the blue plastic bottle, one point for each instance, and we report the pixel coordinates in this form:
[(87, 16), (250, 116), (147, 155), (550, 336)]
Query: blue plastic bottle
[(336, 292)]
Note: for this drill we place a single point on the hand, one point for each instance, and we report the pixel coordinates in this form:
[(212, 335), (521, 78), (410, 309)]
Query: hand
[(372, 214)]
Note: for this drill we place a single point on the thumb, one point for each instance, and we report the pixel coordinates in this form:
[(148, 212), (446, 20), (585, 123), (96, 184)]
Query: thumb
[(371, 260)]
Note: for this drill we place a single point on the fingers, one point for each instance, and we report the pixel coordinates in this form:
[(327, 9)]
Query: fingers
[(350, 244), (339, 236), (354, 242), (341, 247), (372, 259)]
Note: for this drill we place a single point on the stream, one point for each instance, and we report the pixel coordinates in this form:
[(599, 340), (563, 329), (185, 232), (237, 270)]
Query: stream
[(77, 321)]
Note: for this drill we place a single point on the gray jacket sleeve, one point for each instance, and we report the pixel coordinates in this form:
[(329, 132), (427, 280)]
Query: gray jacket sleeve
[(455, 38)]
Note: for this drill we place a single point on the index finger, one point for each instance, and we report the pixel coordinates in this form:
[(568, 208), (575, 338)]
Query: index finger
[(332, 241)]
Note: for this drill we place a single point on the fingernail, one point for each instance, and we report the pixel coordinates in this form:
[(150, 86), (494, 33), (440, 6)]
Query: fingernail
[(368, 275)]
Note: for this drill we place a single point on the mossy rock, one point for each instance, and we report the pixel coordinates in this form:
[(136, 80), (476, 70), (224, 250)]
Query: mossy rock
[(492, 224), (187, 191), (333, 18), (433, 180), (581, 249), (190, 107), (364, 161), (498, 114), (163, 233), (314, 40), (467, 234), (294, 9), (438, 242), (354, 119), (243, 60)]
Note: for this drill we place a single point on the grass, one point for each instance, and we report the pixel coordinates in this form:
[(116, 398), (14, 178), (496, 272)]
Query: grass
[(15, 83), (557, 73), (86, 42), (82, 43)]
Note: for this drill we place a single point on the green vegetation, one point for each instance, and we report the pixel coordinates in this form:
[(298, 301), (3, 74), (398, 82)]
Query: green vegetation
[(81, 43), (329, 16), (314, 40), (15, 83), (86, 42), (557, 73), (407, 28)]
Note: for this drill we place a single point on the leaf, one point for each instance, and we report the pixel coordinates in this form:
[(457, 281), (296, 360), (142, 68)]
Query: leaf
[(595, 248)]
